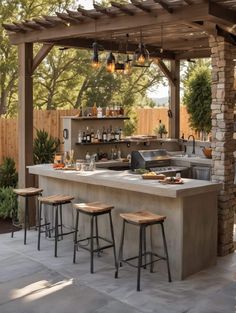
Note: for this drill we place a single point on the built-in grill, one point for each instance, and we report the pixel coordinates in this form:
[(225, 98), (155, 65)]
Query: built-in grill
[(155, 160)]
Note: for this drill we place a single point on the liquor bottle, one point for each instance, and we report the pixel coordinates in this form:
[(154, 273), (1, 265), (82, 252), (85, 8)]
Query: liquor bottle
[(117, 134), (108, 134), (92, 136), (80, 137), (84, 137), (94, 110), (98, 135), (99, 111), (104, 135), (120, 134), (107, 111), (122, 113), (112, 134), (88, 135)]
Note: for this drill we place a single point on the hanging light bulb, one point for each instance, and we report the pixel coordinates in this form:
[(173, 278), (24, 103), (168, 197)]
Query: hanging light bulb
[(142, 54), (111, 63), (128, 68), (95, 58)]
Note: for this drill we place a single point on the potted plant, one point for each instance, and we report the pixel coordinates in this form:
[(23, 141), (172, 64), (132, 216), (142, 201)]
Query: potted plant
[(160, 130)]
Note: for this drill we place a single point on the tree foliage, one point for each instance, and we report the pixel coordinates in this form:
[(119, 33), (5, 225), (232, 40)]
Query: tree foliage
[(197, 96)]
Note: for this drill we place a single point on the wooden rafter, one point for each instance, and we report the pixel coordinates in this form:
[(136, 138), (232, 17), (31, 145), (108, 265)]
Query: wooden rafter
[(31, 25), (75, 15), (43, 52), (164, 5), (103, 10), (122, 8), (44, 23), (140, 6), (87, 13), (222, 12), (67, 18), (54, 19), (12, 28)]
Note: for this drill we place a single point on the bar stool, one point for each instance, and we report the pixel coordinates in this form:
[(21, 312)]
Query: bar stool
[(27, 193), (93, 210), (143, 220), (56, 202)]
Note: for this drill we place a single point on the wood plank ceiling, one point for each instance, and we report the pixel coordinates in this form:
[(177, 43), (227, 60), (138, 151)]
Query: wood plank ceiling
[(172, 29)]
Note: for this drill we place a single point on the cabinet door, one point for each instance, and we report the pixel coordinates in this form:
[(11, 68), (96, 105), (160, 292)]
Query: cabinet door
[(201, 172)]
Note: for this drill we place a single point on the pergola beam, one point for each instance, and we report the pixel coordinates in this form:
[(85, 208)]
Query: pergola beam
[(42, 53), (119, 23), (164, 5), (165, 70), (222, 12), (122, 8)]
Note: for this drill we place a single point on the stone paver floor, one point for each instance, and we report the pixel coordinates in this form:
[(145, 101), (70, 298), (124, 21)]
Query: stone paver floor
[(36, 282)]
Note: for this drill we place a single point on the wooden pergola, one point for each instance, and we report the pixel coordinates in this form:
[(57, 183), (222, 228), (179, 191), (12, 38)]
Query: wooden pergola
[(171, 30)]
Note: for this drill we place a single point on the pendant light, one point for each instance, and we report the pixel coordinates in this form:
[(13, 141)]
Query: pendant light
[(141, 55), (110, 66), (128, 67), (95, 58)]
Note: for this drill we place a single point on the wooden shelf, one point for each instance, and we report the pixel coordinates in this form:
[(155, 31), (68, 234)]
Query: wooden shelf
[(94, 118), (103, 143)]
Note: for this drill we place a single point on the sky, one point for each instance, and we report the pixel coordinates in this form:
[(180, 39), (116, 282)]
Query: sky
[(158, 92)]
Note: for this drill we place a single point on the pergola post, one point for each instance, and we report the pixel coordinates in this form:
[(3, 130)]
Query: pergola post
[(25, 114), (223, 145), (174, 121)]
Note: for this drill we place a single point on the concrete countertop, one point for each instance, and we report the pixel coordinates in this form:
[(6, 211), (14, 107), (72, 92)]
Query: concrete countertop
[(127, 181)]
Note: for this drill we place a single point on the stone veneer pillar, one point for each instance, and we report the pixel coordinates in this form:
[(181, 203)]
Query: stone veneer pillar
[(223, 144)]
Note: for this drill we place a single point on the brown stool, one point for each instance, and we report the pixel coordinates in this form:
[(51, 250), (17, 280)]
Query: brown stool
[(93, 210), (27, 193), (56, 201), (143, 220)]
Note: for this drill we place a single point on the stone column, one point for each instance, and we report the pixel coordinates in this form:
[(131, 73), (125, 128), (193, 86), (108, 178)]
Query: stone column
[(223, 145)]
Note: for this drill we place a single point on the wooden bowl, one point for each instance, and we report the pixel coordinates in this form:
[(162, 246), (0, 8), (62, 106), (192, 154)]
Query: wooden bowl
[(207, 152)]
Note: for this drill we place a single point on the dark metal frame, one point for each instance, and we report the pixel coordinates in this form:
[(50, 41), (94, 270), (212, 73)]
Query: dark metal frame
[(91, 249), (47, 229), (143, 253), (26, 214)]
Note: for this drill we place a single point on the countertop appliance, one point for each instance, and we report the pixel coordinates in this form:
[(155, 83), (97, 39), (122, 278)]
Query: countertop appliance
[(155, 160)]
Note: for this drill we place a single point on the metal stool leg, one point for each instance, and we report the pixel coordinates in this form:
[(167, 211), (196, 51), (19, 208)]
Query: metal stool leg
[(39, 224), (114, 247), (97, 239), (140, 256), (166, 251), (26, 219), (144, 246), (61, 222), (56, 231), (91, 243), (76, 235), (120, 257), (151, 255)]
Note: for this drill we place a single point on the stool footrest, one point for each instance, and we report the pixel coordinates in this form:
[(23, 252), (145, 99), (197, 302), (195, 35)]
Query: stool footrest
[(94, 237), (159, 258)]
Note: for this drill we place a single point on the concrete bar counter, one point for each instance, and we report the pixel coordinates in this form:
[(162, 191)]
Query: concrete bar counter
[(190, 208)]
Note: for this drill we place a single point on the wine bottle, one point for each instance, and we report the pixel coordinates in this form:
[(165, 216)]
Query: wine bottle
[(84, 137), (117, 135), (88, 135), (104, 135), (92, 136)]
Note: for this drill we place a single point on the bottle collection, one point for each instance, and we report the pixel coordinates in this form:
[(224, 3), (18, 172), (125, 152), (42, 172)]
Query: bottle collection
[(109, 111), (104, 135)]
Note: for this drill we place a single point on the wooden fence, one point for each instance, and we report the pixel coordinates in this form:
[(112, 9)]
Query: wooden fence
[(51, 121)]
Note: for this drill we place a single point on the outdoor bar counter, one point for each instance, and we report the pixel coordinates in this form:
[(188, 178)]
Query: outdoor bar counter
[(190, 208)]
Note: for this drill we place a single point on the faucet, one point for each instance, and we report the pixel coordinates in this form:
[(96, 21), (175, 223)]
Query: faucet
[(193, 152)]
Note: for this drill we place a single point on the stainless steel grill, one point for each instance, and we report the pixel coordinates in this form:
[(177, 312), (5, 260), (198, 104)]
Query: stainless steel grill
[(155, 160)]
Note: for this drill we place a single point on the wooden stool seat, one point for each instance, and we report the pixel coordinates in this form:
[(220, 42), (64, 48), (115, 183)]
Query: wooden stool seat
[(31, 191), (55, 202), (56, 199), (142, 217), (93, 207)]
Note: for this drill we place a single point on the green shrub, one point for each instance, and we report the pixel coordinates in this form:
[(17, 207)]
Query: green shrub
[(8, 174), (8, 202), (45, 147)]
